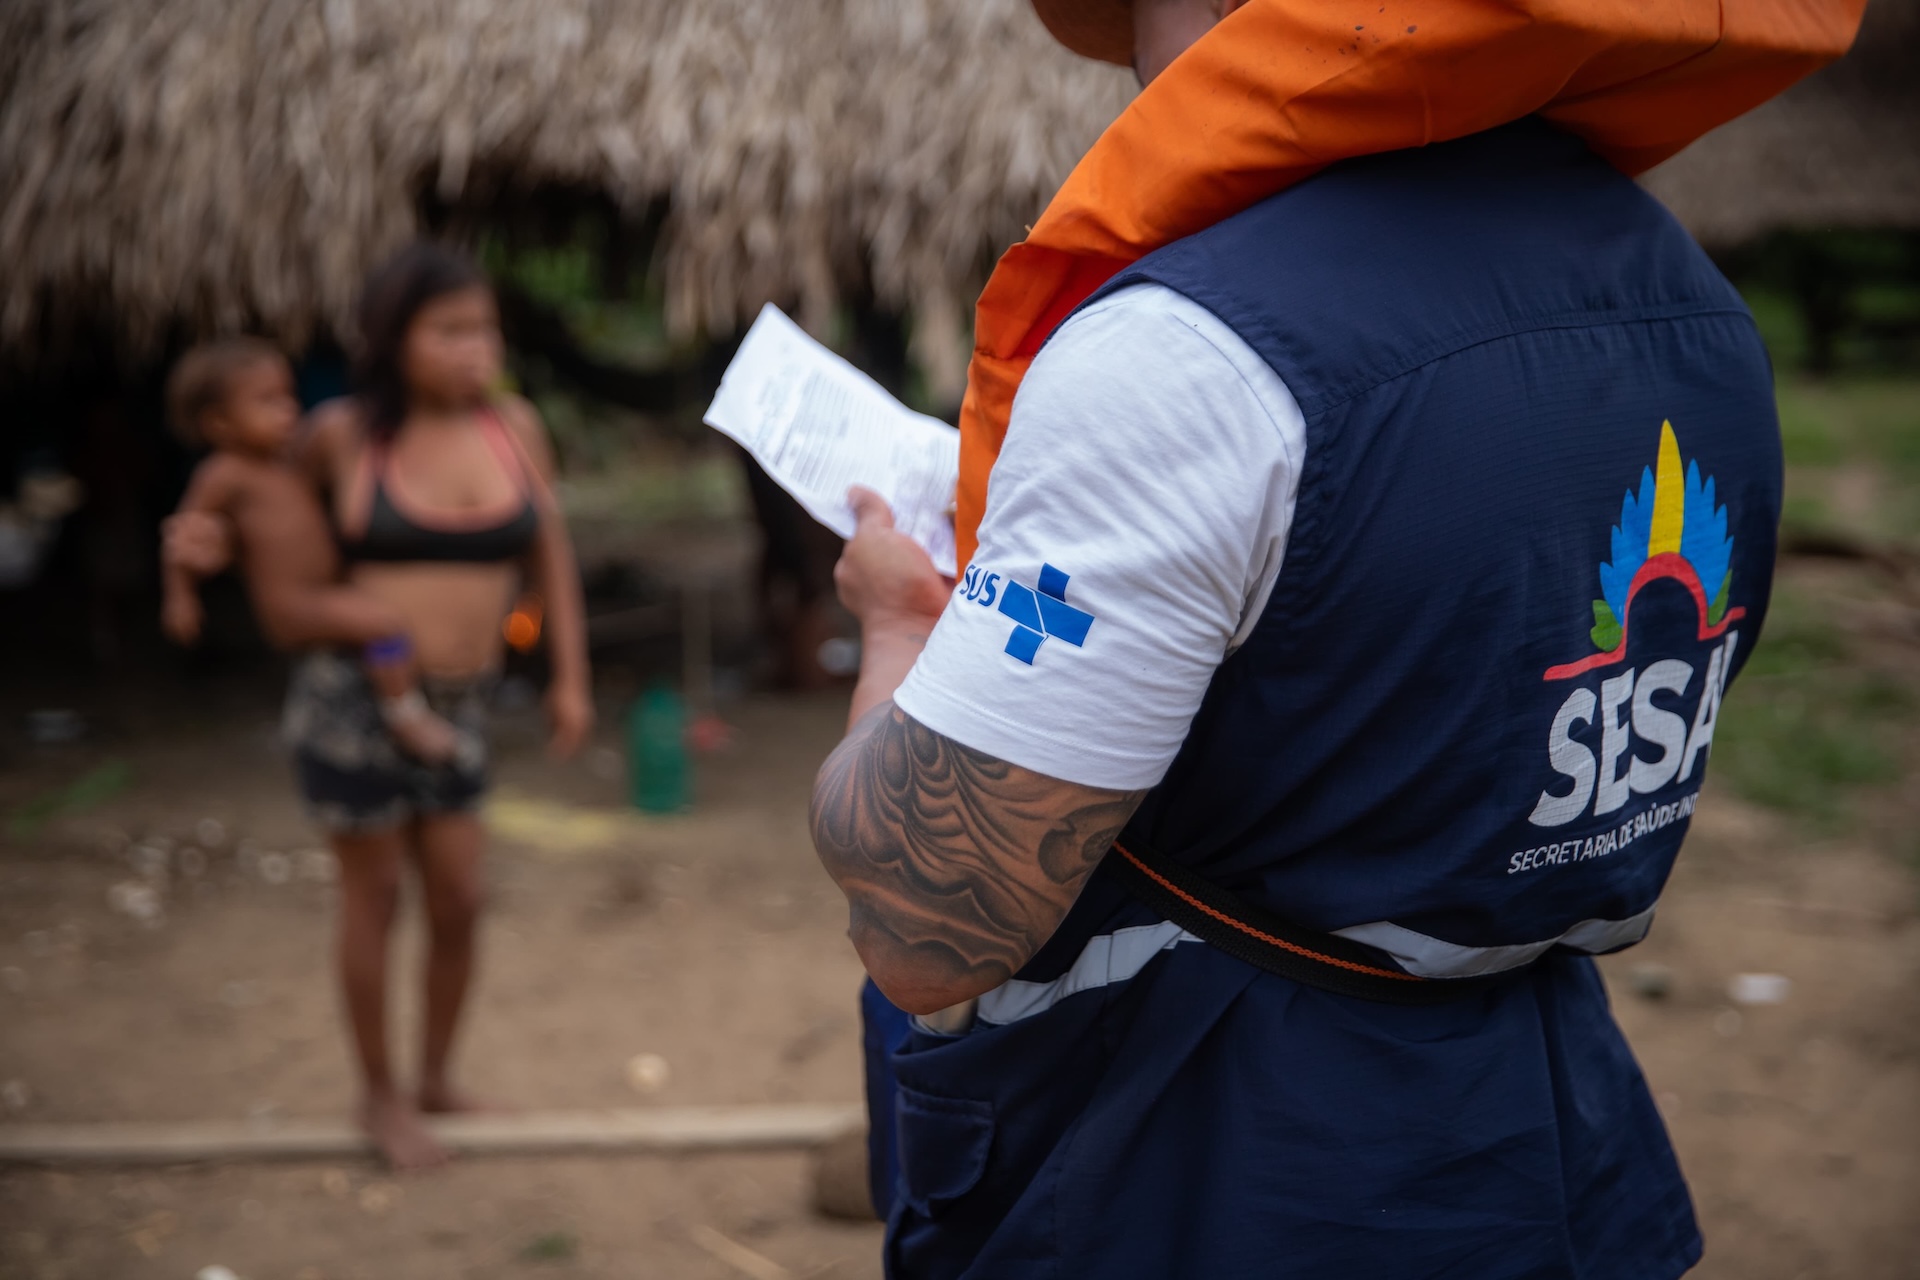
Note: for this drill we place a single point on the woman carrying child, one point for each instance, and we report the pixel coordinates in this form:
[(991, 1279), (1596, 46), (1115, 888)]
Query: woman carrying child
[(439, 489)]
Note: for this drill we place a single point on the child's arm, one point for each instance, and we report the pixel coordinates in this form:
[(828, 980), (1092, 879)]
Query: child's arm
[(293, 613), (336, 614), (210, 492)]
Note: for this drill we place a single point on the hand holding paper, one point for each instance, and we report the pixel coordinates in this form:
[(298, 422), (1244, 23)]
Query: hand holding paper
[(882, 575), (820, 426)]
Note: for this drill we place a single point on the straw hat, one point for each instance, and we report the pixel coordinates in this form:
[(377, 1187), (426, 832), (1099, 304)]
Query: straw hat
[(1098, 29)]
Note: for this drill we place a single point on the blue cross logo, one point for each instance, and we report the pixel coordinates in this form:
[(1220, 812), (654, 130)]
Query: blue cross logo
[(1036, 616)]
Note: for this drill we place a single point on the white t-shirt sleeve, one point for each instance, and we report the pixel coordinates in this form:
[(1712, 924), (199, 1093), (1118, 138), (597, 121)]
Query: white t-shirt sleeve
[(1136, 520)]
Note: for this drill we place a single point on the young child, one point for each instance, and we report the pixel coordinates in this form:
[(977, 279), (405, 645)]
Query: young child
[(236, 396)]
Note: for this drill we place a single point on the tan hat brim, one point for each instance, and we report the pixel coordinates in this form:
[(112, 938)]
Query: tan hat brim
[(1098, 29)]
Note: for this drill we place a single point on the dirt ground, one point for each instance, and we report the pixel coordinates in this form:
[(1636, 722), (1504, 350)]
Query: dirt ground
[(714, 941)]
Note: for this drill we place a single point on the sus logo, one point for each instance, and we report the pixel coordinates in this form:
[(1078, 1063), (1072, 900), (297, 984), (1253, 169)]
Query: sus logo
[(1038, 615)]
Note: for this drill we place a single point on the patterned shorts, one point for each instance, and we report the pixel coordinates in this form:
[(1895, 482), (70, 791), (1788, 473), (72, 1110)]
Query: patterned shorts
[(352, 775)]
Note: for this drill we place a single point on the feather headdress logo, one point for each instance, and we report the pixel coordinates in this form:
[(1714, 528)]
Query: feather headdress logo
[(1674, 529)]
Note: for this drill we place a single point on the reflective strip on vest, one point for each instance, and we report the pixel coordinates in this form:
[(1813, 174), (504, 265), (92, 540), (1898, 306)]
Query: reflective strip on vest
[(1432, 958), (1106, 959), (1119, 956)]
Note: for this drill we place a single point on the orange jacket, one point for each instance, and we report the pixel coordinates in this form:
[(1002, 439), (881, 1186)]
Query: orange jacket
[(1282, 88)]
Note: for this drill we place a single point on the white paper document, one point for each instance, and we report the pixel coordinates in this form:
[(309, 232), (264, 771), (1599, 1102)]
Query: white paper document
[(818, 425)]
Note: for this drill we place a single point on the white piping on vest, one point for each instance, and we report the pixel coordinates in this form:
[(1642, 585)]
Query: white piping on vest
[(1432, 958), (1106, 959)]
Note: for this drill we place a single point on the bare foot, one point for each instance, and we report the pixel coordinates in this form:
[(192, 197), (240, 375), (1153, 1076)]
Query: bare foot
[(445, 1100), (425, 736), (396, 1128)]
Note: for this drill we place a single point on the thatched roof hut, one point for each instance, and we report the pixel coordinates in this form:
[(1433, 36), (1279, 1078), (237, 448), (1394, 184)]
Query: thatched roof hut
[(189, 165), (1839, 149), (173, 167)]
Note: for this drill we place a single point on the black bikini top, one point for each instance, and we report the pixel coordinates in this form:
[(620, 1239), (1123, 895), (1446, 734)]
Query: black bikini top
[(391, 535)]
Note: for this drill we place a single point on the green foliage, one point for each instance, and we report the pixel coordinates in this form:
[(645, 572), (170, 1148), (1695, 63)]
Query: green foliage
[(1868, 420), (1778, 319), (552, 1246), (1787, 753), (1806, 723), (665, 485), (1807, 430), (621, 316), (1811, 722), (555, 274), (1866, 426), (1800, 641), (96, 786), (1804, 513), (1834, 300)]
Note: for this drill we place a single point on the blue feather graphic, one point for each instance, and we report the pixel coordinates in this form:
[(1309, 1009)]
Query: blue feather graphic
[(1629, 545), (1703, 537)]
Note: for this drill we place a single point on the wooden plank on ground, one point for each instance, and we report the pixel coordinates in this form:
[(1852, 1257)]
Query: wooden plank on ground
[(651, 1129)]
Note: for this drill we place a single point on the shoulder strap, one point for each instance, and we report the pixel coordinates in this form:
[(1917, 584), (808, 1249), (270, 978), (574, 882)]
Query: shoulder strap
[(507, 447), (368, 469)]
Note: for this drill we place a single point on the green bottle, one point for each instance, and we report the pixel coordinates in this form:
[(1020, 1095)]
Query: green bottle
[(658, 774)]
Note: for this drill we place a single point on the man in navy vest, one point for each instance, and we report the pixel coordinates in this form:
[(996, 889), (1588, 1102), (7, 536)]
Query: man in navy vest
[(1359, 583)]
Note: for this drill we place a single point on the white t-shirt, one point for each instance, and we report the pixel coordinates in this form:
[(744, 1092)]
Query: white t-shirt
[(1148, 480)]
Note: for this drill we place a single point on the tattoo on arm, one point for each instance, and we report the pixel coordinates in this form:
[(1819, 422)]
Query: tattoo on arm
[(957, 865)]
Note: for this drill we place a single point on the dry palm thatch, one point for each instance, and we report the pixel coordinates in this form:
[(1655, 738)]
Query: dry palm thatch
[(201, 165), (1840, 149), (180, 167)]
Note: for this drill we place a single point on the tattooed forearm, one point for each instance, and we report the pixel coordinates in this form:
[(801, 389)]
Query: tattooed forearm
[(957, 866)]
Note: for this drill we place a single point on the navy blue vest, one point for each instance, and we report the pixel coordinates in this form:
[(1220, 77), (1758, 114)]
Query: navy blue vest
[(1533, 542), (1534, 539)]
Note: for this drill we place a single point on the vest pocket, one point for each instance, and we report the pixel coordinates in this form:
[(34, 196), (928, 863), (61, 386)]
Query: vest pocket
[(944, 1144)]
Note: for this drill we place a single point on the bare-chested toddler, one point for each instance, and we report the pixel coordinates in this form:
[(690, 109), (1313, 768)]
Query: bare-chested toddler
[(235, 395)]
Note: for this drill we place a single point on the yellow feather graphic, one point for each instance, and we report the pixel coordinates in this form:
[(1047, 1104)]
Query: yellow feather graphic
[(1669, 496)]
